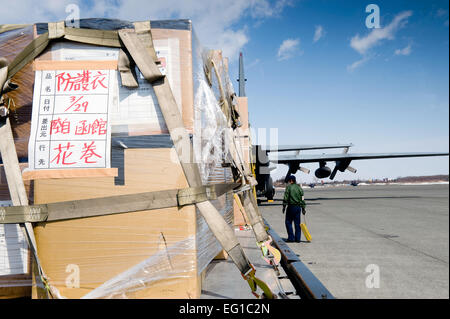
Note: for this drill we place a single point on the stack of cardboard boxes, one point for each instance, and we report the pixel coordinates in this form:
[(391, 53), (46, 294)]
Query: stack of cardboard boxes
[(148, 254)]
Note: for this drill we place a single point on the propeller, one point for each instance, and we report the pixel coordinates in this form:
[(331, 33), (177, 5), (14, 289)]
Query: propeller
[(342, 165), (294, 167), (333, 173), (304, 169), (351, 169)]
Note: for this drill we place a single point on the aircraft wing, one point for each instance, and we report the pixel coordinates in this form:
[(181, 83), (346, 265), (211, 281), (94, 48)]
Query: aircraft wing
[(312, 158), (285, 148), (342, 161)]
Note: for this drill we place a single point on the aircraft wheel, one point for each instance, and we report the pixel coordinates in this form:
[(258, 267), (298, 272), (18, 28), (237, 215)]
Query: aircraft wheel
[(270, 191)]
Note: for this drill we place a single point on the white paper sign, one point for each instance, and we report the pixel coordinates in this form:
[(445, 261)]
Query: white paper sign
[(70, 121)]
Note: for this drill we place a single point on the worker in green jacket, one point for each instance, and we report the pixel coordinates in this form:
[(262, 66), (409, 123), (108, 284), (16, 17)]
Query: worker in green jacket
[(293, 199)]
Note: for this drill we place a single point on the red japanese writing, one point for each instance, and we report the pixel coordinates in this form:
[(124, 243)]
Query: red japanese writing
[(88, 152), (63, 154), (84, 81), (98, 127), (59, 126)]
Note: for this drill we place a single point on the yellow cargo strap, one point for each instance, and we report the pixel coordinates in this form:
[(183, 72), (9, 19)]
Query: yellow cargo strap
[(106, 38), (224, 100), (58, 31), (32, 50), (241, 208), (139, 51), (255, 282), (254, 217), (13, 173), (113, 204), (253, 214), (262, 237), (127, 71), (266, 247), (247, 199), (10, 27), (146, 64)]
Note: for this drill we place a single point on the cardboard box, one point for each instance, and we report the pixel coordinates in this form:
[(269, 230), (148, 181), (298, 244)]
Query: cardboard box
[(107, 246)]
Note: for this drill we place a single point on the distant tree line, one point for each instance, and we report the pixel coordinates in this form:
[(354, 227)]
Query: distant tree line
[(407, 179)]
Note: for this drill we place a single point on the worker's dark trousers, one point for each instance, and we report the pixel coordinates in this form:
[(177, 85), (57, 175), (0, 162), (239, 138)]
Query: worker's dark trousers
[(293, 214)]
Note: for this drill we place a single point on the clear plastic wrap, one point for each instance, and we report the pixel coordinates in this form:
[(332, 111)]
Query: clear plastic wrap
[(149, 254), (15, 275), (207, 245), (210, 148), (170, 264), (20, 100), (209, 120)]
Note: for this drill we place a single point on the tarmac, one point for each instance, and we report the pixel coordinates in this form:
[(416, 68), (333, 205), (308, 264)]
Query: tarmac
[(389, 241)]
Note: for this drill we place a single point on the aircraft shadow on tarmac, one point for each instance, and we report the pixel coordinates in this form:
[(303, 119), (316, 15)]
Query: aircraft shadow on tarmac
[(279, 202)]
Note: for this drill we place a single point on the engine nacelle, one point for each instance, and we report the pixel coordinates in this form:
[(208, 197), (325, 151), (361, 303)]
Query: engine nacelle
[(323, 172)]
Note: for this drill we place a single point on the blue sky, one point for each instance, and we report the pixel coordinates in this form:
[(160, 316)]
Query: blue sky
[(315, 71), (391, 102)]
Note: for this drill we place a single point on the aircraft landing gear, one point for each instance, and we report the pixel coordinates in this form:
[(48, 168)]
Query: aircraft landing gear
[(270, 190)]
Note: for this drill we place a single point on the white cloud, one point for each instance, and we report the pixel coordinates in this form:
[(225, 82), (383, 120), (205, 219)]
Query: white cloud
[(405, 51), (318, 33), (263, 8), (29, 11), (252, 64), (288, 48), (357, 64), (441, 12), (231, 42), (214, 21), (363, 44)]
